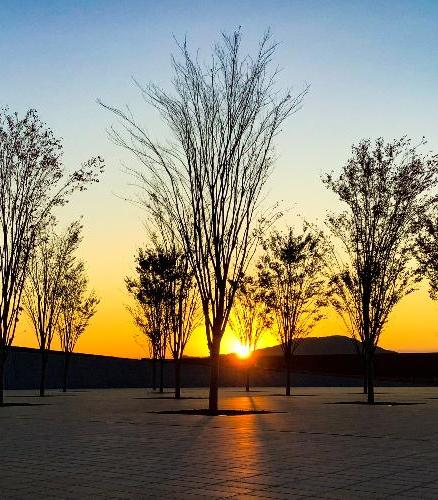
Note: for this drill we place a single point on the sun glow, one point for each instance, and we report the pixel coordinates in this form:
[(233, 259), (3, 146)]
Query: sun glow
[(242, 350)]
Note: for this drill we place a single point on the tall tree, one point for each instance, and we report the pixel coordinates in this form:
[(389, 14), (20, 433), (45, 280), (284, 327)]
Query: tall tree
[(78, 306), (49, 270), (384, 187), (223, 118), (250, 318), (291, 274), (33, 182), (427, 249)]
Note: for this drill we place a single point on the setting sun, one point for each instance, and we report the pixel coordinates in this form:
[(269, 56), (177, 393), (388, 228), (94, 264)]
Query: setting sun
[(241, 350)]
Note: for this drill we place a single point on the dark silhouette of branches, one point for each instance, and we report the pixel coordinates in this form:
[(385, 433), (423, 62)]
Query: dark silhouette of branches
[(385, 187), (427, 249), (210, 176), (149, 290), (78, 306), (51, 265), (290, 273), (166, 302), (250, 318), (33, 182)]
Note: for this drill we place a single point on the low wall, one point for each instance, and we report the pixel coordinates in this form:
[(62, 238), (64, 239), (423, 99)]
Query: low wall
[(93, 371)]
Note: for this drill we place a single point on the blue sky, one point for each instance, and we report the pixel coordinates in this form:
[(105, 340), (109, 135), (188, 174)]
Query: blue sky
[(372, 66)]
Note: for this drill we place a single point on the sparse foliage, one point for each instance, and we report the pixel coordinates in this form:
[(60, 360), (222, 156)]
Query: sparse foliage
[(78, 306), (50, 268), (385, 187), (250, 318), (294, 288), (33, 182), (427, 249), (223, 118)]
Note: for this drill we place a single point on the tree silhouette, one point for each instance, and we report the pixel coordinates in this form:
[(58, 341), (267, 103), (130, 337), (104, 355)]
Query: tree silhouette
[(33, 182), (291, 276), (250, 318), (223, 118), (385, 187), (49, 270), (78, 306), (150, 291), (427, 249)]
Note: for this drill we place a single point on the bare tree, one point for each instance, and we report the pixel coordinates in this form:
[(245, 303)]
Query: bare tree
[(292, 279), (385, 186), (223, 118), (78, 306), (50, 268), (33, 182), (250, 318)]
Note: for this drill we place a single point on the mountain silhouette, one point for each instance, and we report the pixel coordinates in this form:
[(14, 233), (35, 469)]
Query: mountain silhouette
[(332, 344)]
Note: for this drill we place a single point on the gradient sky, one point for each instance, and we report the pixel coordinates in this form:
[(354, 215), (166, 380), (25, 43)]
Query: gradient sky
[(373, 70)]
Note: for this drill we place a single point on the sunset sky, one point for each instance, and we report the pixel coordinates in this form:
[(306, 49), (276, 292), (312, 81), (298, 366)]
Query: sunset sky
[(373, 71)]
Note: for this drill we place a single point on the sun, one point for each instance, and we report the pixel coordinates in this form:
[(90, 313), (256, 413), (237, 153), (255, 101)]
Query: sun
[(242, 350)]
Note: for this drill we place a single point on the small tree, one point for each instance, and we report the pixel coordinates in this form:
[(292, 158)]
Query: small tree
[(77, 308), (250, 318), (140, 313), (291, 275), (223, 119), (385, 187), (149, 290), (50, 268), (182, 310), (32, 183)]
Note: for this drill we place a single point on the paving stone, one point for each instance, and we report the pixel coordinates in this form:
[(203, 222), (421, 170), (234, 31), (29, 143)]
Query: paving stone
[(110, 444)]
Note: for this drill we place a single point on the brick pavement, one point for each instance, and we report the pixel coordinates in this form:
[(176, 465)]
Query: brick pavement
[(108, 444)]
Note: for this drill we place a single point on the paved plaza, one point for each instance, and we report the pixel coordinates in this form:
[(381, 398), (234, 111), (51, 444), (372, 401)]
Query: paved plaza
[(110, 444)]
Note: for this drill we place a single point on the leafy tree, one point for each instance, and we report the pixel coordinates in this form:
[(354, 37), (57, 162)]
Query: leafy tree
[(78, 306), (223, 118), (50, 267), (427, 249), (384, 187), (250, 318), (149, 290), (291, 274), (33, 182), (167, 303)]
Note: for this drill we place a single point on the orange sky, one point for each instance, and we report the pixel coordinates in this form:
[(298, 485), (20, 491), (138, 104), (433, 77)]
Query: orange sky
[(372, 73)]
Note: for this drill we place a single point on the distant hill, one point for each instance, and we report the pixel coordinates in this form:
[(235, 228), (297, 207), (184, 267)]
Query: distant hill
[(333, 344)]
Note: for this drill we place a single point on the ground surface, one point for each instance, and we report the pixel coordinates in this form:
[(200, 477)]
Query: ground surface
[(107, 443)]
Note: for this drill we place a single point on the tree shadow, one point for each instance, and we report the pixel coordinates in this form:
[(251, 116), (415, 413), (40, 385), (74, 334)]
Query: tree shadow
[(5, 405), (376, 403), (219, 413), (172, 397)]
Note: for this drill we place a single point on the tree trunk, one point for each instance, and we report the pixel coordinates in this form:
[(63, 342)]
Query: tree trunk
[(3, 354), (370, 377), (214, 376), (365, 375), (288, 363), (247, 379), (177, 363), (161, 375), (154, 373), (288, 359), (44, 356), (67, 356)]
